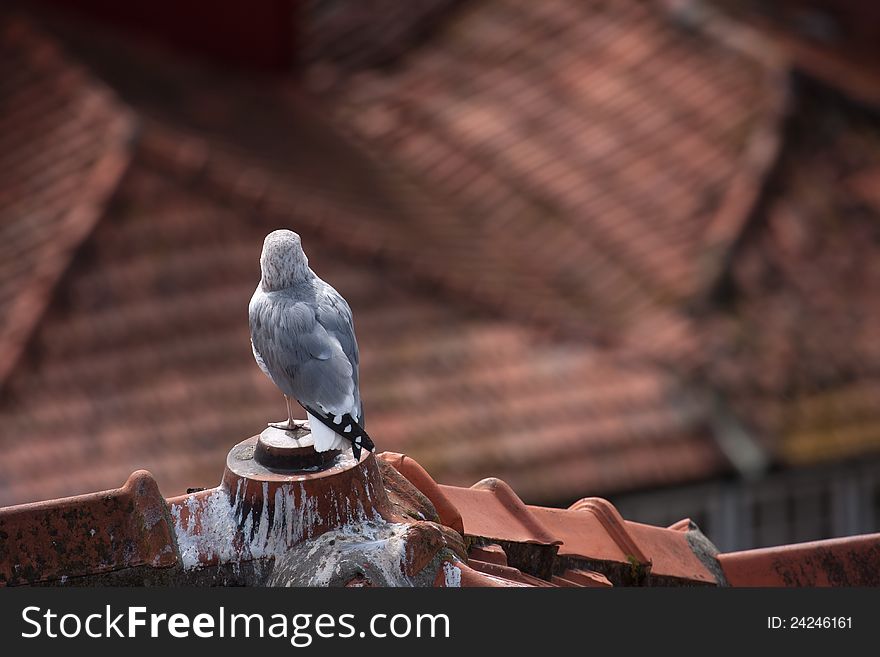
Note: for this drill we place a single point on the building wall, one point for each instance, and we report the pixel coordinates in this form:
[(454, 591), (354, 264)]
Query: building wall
[(784, 507)]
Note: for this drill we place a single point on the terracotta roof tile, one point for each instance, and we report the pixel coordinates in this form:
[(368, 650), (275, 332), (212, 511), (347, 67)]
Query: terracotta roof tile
[(65, 145), (580, 577), (508, 573), (590, 532), (469, 577), (499, 116), (223, 535), (237, 533), (850, 561), (151, 275), (448, 513), (126, 535), (589, 535), (172, 254), (490, 509), (670, 555), (490, 553), (94, 533), (475, 164)]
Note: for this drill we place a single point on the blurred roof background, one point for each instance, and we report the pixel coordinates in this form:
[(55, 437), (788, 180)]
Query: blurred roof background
[(591, 248)]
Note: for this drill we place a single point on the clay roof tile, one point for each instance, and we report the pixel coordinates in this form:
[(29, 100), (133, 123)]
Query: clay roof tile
[(65, 145), (849, 561), (90, 534)]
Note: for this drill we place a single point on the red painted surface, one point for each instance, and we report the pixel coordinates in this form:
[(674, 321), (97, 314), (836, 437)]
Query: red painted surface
[(258, 35)]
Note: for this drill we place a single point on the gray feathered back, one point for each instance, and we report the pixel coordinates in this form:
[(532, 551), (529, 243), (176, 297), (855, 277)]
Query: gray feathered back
[(302, 331)]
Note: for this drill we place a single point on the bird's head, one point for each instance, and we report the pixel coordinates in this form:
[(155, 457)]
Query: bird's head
[(282, 261)]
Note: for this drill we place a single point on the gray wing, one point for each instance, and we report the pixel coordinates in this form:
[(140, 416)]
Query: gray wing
[(334, 314), (296, 351)]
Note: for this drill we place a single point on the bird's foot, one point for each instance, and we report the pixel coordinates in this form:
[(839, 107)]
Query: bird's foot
[(290, 425)]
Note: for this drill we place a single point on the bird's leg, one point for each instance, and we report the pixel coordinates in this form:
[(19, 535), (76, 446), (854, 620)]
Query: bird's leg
[(291, 424)]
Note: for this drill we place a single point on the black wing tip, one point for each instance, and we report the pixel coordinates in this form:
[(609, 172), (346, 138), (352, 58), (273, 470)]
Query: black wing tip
[(359, 438)]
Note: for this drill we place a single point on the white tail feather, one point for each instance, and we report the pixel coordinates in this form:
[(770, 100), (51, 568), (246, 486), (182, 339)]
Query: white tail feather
[(325, 438)]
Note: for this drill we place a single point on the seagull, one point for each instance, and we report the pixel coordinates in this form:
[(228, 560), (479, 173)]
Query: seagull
[(302, 336)]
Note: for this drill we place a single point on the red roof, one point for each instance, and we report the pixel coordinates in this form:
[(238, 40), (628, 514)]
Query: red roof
[(527, 213), (799, 353), (527, 116), (144, 347), (64, 143), (470, 395), (244, 530)]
